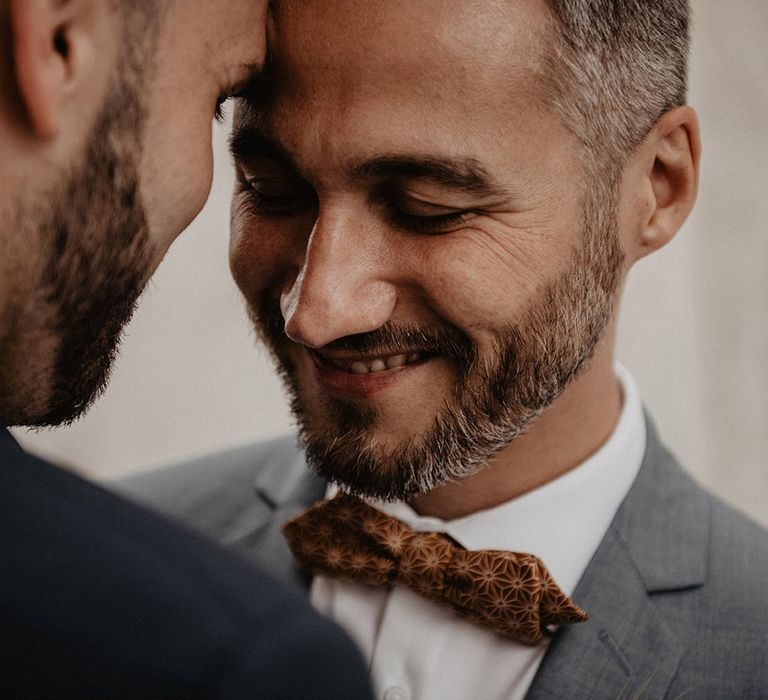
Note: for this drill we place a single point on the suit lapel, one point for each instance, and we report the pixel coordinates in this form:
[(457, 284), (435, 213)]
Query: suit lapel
[(625, 649), (656, 545)]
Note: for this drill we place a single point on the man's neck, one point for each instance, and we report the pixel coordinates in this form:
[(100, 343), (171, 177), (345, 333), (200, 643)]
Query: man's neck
[(574, 427)]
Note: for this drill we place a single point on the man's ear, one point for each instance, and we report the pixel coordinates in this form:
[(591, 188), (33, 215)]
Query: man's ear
[(52, 51), (673, 154)]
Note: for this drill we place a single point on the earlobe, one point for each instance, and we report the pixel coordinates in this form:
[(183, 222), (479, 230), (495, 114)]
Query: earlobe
[(673, 175), (39, 54)]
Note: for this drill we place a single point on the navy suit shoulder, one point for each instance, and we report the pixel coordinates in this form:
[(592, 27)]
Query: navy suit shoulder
[(99, 598)]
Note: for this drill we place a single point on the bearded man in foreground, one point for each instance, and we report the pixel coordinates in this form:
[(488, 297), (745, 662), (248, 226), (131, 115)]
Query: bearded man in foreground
[(438, 205), (105, 157)]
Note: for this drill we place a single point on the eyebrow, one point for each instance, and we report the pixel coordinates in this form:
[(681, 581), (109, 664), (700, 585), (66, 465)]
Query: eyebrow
[(467, 174), (247, 141)]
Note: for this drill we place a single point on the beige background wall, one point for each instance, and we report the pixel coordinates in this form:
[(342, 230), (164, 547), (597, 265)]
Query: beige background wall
[(694, 331)]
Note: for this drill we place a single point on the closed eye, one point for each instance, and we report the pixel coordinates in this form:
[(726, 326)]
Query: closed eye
[(433, 224), (273, 188), (279, 196), (418, 215)]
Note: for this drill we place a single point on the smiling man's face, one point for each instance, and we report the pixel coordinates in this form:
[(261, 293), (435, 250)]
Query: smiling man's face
[(413, 238)]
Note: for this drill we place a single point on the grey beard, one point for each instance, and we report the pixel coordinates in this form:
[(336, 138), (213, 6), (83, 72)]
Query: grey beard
[(496, 398)]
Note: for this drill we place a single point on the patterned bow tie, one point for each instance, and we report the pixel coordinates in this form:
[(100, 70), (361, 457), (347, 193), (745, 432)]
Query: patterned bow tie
[(512, 594)]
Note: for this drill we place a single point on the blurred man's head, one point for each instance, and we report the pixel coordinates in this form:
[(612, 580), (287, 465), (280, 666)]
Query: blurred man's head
[(106, 157), (438, 202)]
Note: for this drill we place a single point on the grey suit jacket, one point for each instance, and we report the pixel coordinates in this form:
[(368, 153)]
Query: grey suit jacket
[(677, 592)]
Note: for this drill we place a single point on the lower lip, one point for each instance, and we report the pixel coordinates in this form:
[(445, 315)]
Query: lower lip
[(360, 385)]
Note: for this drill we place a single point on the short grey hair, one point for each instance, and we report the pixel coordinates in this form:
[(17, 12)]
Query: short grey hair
[(616, 68)]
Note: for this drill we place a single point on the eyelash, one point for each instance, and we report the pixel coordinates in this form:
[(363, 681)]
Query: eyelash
[(390, 198), (279, 205), (218, 113), (294, 203), (426, 224), (222, 99)]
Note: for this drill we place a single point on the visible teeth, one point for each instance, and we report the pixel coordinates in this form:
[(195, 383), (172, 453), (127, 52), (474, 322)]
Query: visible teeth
[(395, 361), (378, 364)]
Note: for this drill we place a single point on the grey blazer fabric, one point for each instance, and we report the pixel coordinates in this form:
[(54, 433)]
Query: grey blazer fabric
[(677, 592)]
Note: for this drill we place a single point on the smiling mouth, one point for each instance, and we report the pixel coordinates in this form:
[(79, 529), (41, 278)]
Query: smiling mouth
[(369, 364)]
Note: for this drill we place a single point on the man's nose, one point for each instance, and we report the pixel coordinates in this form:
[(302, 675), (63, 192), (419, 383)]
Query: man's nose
[(342, 287)]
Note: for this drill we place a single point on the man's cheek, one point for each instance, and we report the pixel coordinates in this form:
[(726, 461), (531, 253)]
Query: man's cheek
[(246, 257)]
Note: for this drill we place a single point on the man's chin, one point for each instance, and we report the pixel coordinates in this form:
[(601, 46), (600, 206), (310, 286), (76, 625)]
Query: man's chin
[(75, 388), (68, 404), (371, 464)]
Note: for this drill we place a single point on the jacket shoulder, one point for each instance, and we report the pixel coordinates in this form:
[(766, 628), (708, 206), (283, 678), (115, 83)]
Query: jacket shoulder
[(723, 624), (738, 568), (141, 608), (721, 616), (222, 494)]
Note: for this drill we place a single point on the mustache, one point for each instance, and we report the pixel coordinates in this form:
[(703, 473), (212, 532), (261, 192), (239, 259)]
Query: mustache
[(393, 338), (390, 339)]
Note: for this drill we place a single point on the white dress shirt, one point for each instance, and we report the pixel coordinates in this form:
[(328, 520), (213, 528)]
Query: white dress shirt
[(421, 650)]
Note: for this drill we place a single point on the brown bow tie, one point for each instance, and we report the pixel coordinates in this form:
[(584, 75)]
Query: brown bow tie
[(510, 593)]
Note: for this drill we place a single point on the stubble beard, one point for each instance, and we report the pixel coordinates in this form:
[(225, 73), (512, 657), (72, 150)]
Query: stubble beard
[(496, 396), (96, 255)]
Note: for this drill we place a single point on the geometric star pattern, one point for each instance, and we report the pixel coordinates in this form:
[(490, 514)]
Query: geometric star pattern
[(513, 594)]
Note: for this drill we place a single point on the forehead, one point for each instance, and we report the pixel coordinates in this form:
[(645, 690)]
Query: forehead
[(403, 35), (206, 36), (209, 22), (390, 73)]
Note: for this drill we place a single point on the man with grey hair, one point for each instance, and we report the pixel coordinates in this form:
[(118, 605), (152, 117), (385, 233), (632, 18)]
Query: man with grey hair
[(438, 205), (105, 156)]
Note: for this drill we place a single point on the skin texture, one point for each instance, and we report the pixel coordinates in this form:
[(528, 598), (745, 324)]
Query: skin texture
[(105, 156), (388, 117)]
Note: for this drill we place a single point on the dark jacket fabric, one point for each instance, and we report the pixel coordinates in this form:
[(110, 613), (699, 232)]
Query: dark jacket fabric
[(101, 599)]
